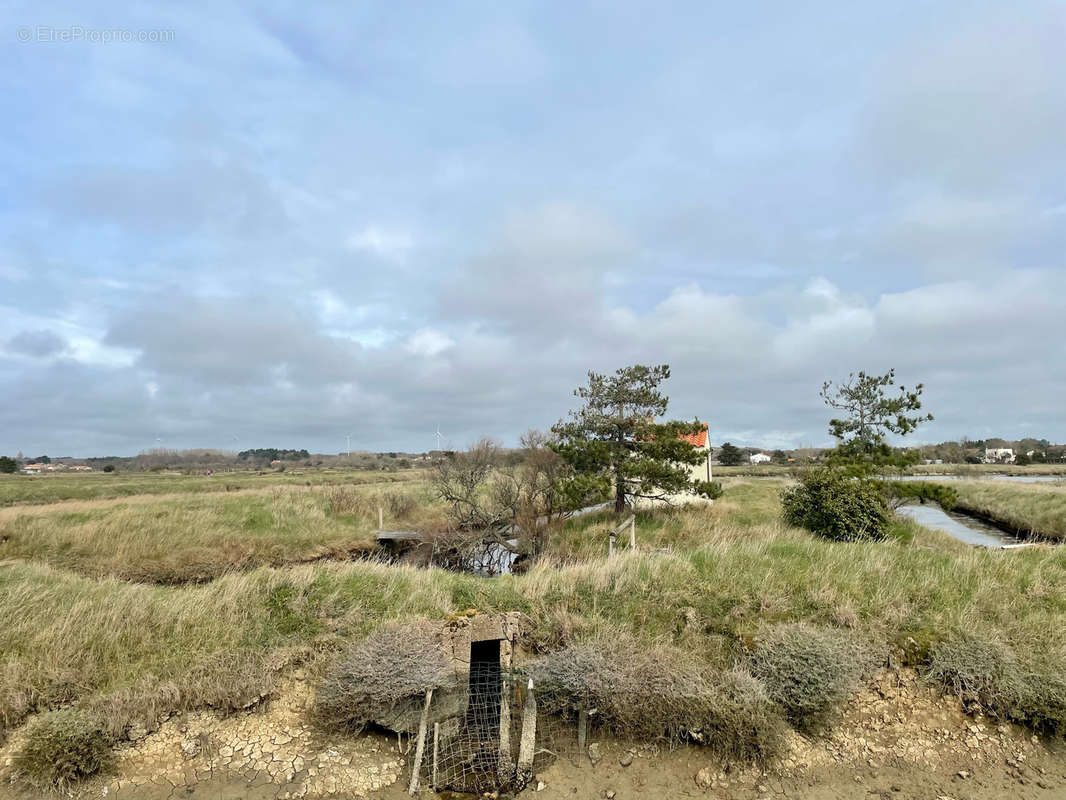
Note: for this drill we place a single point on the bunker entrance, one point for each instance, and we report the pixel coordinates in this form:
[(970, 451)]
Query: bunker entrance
[(483, 710)]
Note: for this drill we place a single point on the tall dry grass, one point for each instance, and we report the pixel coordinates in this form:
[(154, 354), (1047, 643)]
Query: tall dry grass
[(198, 537)]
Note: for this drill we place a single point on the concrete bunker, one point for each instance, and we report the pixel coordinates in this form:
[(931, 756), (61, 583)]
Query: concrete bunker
[(479, 734)]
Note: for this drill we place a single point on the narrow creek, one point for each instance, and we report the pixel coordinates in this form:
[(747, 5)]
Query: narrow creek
[(963, 527)]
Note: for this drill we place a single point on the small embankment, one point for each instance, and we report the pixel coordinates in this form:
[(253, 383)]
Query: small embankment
[(1025, 510), (897, 738)]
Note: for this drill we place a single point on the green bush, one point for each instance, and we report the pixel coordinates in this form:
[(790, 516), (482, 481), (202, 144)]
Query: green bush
[(923, 491), (382, 677), (809, 671), (656, 692), (62, 747), (832, 504), (710, 489)]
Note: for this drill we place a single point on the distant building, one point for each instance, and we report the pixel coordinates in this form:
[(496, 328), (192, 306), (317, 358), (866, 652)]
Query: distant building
[(32, 469), (999, 455), (81, 468), (759, 458)]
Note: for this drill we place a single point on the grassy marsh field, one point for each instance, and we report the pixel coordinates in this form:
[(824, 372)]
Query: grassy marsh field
[(195, 536), (163, 602), (34, 489), (1030, 509)]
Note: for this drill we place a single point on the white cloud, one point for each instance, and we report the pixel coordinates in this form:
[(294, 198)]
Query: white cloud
[(428, 342), (381, 242)]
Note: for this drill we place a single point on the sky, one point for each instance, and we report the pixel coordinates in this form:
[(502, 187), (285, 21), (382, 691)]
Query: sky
[(254, 225)]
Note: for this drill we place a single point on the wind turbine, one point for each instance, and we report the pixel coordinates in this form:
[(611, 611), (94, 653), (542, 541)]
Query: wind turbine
[(438, 435), (349, 445)]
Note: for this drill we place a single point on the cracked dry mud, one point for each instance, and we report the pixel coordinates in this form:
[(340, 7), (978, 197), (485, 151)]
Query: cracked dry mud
[(898, 739)]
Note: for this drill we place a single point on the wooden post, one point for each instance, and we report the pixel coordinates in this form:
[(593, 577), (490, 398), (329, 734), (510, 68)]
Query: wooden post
[(436, 738), (420, 749), (633, 532), (529, 735), (505, 724), (610, 543), (505, 764), (381, 519), (582, 729)]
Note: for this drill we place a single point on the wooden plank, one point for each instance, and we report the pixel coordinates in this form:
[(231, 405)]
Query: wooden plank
[(399, 536)]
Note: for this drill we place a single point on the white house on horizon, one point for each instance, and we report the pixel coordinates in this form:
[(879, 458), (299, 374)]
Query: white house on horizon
[(999, 455)]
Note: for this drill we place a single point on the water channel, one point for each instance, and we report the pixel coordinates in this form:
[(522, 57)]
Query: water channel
[(962, 526)]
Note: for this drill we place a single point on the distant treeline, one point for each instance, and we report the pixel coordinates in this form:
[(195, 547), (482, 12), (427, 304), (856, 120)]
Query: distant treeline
[(272, 454)]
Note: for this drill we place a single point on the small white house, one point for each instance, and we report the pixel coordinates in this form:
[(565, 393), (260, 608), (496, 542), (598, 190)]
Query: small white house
[(759, 458), (999, 455)]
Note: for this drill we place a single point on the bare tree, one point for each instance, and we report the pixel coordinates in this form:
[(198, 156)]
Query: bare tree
[(461, 482)]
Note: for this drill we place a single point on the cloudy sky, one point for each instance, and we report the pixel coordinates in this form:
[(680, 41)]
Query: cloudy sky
[(286, 223)]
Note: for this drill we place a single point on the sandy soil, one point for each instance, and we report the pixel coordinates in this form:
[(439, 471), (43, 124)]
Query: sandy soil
[(897, 739)]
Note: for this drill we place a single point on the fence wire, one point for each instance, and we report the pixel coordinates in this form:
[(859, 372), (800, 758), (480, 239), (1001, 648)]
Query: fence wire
[(487, 735)]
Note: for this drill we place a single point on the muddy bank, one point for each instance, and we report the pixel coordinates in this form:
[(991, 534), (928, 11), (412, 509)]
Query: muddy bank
[(898, 738)]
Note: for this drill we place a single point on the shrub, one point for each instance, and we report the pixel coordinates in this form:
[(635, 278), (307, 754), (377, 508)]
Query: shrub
[(831, 504), (923, 491), (381, 676), (109, 468), (399, 505), (809, 671), (643, 692), (343, 500), (982, 672), (987, 675), (710, 489), (1043, 705), (62, 747), (742, 723)]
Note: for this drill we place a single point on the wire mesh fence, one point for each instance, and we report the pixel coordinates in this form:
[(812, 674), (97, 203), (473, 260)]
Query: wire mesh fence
[(488, 735)]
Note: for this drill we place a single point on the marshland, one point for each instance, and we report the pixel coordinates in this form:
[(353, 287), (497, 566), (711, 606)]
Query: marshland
[(128, 606)]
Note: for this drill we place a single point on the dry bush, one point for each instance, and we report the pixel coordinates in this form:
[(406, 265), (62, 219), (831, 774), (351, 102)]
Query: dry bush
[(61, 748), (742, 723), (810, 671), (989, 677), (345, 500), (981, 672), (399, 504), (654, 692), (380, 675)]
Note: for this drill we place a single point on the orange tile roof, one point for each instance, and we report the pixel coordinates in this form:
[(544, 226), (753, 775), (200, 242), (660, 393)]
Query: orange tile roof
[(696, 439)]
